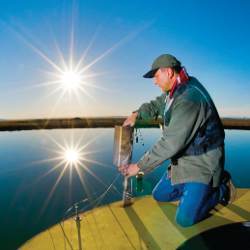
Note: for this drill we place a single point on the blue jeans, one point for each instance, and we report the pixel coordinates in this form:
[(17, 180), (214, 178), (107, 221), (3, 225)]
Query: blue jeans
[(196, 199)]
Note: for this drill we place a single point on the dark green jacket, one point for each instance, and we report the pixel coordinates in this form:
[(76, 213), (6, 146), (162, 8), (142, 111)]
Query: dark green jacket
[(190, 110)]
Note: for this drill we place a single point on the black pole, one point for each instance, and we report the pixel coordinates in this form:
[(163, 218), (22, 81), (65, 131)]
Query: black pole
[(78, 227)]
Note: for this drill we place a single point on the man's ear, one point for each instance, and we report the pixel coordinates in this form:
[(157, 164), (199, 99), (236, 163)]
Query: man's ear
[(170, 72)]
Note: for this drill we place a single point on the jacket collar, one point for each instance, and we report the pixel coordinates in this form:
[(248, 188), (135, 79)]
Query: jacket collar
[(182, 78)]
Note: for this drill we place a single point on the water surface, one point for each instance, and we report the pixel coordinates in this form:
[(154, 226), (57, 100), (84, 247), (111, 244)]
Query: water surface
[(28, 204)]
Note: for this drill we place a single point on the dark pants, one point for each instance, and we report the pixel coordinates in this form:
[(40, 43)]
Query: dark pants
[(196, 199)]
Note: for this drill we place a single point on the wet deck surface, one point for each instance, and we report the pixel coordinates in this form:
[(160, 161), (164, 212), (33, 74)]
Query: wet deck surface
[(148, 224)]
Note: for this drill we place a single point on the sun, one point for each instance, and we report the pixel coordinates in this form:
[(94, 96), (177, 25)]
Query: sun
[(70, 80), (70, 74)]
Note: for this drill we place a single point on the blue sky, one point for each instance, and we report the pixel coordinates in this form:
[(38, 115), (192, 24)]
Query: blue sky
[(211, 39)]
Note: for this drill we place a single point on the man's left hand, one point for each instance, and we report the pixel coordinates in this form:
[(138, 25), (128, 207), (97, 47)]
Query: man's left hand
[(129, 170)]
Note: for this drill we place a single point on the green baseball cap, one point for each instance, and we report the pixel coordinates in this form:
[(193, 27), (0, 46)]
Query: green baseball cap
[(163, 61)]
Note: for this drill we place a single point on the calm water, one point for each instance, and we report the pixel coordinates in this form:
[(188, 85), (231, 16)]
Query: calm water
[(30, 199)]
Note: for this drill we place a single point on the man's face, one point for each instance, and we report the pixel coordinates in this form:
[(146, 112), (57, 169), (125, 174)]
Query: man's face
[(162, 79)]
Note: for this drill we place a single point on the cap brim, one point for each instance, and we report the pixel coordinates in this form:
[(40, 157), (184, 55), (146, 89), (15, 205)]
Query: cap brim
[(150, 74)]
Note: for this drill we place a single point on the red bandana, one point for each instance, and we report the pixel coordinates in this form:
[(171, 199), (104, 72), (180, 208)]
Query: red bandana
[(182, 78)]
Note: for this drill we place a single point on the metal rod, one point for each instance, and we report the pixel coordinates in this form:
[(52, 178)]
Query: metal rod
[(78, 227), (101, 122)]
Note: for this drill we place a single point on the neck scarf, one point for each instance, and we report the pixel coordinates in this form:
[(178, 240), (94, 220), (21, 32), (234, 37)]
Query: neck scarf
[(181, 79)]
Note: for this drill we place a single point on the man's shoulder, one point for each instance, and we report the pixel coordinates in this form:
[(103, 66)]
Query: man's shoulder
[(193, 91)]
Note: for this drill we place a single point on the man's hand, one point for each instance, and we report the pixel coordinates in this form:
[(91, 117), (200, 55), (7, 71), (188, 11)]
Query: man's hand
[(129, 170), (130, 121)]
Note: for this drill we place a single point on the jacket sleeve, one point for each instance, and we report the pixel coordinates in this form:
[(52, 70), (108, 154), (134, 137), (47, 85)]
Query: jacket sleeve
[(152, 109), (186, 118)]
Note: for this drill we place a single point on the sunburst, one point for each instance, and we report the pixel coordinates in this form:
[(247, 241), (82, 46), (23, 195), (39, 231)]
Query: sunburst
[(71, 156), (70, 75)]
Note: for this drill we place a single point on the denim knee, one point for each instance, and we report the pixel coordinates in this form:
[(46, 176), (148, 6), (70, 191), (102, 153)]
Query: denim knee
[(158, 196), (185, 220)]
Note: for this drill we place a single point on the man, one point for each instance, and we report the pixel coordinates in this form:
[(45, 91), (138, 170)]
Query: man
[(192, 138)]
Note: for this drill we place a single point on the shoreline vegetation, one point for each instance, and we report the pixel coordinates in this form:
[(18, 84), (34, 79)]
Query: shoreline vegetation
[(100, 122)]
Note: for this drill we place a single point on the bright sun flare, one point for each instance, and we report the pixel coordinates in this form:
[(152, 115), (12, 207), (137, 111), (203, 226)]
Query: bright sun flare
[(72, 76), (70, 80), (71, 156)]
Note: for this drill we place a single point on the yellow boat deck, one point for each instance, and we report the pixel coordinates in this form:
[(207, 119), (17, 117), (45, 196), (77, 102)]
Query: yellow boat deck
[(148, 224)]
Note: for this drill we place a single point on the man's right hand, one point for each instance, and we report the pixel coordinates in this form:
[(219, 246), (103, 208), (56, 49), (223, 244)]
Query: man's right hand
[(130, 121), (129, 170)]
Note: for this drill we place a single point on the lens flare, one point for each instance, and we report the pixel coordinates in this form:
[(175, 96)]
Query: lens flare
[(71, 156), (70, 80)]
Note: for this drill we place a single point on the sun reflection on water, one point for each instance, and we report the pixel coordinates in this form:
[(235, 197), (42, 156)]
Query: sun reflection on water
[(70, 155)]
